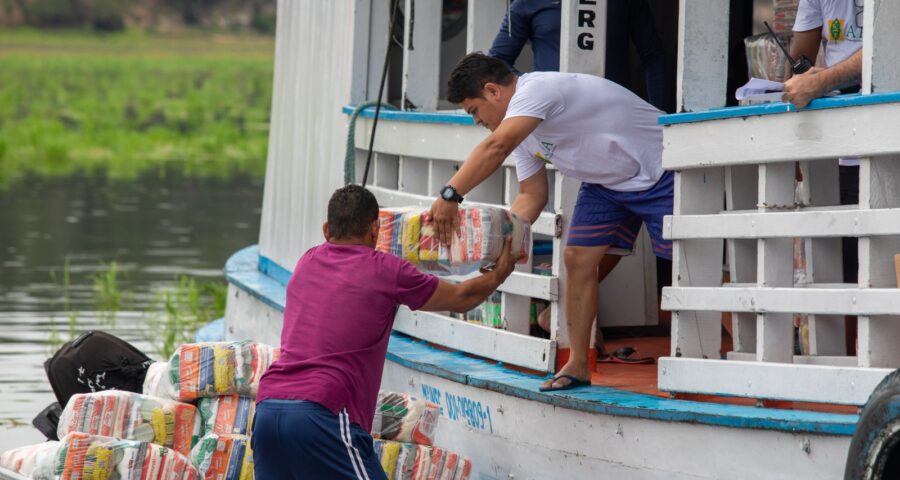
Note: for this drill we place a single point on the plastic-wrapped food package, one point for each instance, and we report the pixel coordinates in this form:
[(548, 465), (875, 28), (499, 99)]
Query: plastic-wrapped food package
[(132, 416), (226, 414), (438, 458), (404, 418), (388, 453), (31, 461), (463, 470), (198, 370), (406, 461), (450, 465), (764, 59), (423, 463), (409, 234), (83, 456), (223, 457)]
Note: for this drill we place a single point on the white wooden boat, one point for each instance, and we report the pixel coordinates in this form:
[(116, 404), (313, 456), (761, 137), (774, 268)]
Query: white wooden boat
[(759, 412)]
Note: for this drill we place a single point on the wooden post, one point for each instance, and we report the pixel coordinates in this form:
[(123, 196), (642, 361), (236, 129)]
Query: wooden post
[(698, 263), (421, 55), (484, 18), (774, 334), (702, 54), (878, 335), (582, 43), (881, 46)]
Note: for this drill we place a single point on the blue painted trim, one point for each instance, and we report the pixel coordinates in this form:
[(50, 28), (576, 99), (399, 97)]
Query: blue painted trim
[(840, 101), (414, 117), (243, 270), (274, 270)]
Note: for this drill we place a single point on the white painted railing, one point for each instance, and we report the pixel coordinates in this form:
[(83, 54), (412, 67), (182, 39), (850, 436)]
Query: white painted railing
[(736, 183)]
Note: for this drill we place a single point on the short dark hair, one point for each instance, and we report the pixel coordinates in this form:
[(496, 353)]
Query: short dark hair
[(351, 211), (472, 72)]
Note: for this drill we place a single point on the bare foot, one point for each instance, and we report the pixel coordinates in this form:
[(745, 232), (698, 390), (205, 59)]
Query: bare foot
[(564, 379)]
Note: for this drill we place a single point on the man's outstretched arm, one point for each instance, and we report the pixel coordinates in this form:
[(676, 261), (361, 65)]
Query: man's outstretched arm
[(462, 297)]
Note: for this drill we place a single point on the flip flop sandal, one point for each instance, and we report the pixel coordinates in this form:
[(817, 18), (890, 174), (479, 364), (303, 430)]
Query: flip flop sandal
[(574, 382), (624, 356)]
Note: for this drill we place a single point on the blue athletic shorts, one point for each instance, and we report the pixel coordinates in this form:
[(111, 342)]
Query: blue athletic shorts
[(293, 439), (607, 217)]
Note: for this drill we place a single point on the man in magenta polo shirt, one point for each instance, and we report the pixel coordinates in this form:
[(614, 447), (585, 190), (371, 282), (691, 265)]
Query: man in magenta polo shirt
[(316, 403)]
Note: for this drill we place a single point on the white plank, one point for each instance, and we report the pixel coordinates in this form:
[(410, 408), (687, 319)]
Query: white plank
[(779, 224), (421, 57), (702, 71), (388, 197), (362, 37), (823, 301), (564, 202), (516, 310), (877, 341), (386, 170), (836, 360), (881, 46), (513, 348), (805, 383), (697, 263), (483, 23), (805, 135), (582, 46), (522, 283)]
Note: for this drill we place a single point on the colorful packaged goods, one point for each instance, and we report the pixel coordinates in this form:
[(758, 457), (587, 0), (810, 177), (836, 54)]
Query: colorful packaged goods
[(464, 470), (410, 234), (422, 463), (132, 416), (212, 369), (230, 414), (406, 461), (223, 457), (404, 418), (389, 453), (450, 465), (438, 458), (82, 456), (32, 461)]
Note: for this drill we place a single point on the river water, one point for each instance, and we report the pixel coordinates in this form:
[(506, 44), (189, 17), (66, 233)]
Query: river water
[(153, 228)]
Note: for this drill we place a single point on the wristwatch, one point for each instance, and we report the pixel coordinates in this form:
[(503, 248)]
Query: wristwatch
[(450, 194)]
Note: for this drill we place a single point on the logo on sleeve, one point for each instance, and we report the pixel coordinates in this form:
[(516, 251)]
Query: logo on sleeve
[(836, 30), (546, 152)]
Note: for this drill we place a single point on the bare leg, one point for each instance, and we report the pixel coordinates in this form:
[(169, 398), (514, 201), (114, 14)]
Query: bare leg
[(581, 308), (607, 264)]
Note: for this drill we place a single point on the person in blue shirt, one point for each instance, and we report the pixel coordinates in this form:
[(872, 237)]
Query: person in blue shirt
[(627, 21)]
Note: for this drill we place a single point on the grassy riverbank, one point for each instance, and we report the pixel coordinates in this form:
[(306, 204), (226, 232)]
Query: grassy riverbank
[(129, 103)]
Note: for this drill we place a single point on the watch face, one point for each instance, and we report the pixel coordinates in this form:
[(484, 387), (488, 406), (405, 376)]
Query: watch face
[(447, 193)]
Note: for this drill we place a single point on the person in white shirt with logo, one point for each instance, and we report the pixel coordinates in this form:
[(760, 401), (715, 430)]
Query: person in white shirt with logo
[(589, 129)]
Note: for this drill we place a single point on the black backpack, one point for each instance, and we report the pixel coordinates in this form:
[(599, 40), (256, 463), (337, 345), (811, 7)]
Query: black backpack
[(93, 362)]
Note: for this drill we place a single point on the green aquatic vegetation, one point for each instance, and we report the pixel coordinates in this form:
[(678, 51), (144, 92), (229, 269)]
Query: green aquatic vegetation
[(126, 104), (54, 341), (108, 297), (184, 308)]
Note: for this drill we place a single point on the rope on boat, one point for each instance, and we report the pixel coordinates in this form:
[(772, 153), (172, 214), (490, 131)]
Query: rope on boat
[(350, 156)]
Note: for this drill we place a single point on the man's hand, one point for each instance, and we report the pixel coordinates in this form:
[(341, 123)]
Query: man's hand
[(802, 89), (445, 216), (505, 264)]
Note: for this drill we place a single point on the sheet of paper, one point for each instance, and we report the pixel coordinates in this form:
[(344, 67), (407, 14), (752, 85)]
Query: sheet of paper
[(758, 86)]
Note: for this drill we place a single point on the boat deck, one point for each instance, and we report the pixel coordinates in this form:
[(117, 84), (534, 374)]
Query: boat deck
[(625, 390)]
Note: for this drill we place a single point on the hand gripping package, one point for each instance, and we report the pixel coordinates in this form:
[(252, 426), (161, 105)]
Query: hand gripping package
[(132, 416), (198, 370), (82, 456), (409, 233), (404, 418)]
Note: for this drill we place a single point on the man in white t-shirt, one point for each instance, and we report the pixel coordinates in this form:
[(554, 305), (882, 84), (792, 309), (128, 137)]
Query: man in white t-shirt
[(837, 26), (589, 129)]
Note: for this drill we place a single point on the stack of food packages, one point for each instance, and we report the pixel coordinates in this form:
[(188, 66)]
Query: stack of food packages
[(84, 456), (222, 378), (764, 58), (409, 233), (404, 431)]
